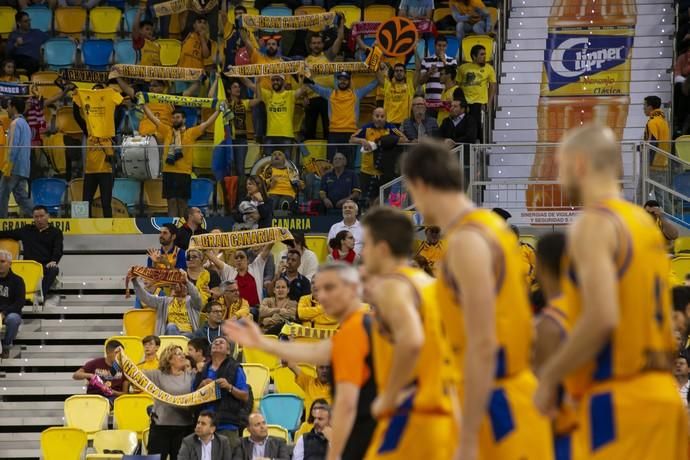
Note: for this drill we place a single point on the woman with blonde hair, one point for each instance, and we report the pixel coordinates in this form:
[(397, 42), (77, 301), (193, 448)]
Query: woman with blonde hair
[(275, 311), (170, 424)]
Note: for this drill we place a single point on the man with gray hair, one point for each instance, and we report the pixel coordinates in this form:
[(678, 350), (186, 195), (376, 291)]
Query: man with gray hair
[(12, 293), (349, 223)]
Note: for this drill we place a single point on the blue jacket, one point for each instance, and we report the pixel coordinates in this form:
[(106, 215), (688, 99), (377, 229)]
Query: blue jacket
[(20, 150)]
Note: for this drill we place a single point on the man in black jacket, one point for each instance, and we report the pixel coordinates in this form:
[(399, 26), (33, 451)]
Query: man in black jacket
[(314, 444), (192, 226), (205, 434), (11, 301), (41, 242), (460, 128), (234, 395)]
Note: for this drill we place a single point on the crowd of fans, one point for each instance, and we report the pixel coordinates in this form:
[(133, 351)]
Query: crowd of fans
[(366, 121)]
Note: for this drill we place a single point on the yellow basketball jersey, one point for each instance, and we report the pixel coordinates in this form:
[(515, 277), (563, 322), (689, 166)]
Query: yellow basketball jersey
[(432, 387), (557, 310), (643, 338), (514, 328)]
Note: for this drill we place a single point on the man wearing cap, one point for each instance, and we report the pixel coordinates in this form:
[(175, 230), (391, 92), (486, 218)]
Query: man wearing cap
[(343, 112)]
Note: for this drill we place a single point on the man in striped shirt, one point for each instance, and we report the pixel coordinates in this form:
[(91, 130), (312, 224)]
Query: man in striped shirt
[(431, 75)]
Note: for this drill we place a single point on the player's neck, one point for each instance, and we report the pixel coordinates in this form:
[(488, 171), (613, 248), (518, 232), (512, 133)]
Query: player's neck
[(597, 188), (354, 306), (392, 265), (552, 290), (449, 206)]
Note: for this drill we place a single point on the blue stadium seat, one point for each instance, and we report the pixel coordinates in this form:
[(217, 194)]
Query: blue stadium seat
[(130, 14), (202, 193), (97, 54), (129, 192), (41, 17), (282, 409), (116, 3), (421, 50), (58, 53), (49, 192), (124, 53), (276, 10), (681, 184)]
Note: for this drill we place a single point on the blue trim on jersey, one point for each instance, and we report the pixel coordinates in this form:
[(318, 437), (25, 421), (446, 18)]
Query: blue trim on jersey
[(502, 423), (562, 447), (396, 426), (501, 366), (603, 429), (604, 368)]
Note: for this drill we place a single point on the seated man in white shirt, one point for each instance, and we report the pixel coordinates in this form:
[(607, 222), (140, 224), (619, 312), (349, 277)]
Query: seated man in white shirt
[(314, 444), (349, 223)]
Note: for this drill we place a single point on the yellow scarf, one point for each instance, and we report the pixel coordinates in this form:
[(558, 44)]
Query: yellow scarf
[(241, 239)]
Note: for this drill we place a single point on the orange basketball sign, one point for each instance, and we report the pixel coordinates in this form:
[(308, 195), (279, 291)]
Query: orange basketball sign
[(397, 36)]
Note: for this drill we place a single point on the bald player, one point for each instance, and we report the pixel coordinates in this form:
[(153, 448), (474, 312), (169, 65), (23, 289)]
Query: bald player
[(487, 317), (618, 356)]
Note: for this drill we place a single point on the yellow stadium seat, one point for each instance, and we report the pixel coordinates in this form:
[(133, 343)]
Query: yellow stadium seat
[(139, 322), (493, 12), (170, 51), (316, 149), (63, 443), (352, 14), (130, 413), (203, 154), (87, 412), (134, 349), (284, 381), (10, 245), (167, 340), (484, 40), (253, 155), (54, 148), (304, 428), (318, 244), (75, 190), (257, 377), (32, 274), (117, 206), (681, 245), (683, 149), (529, 239), (46, 83), (66, 123), (378, 13), (104, 21), (145, 440), (253, 355), (70, 21), (7, 21), (153, 197), (12, 206), (681, 266), (124, 441), (440, 13)]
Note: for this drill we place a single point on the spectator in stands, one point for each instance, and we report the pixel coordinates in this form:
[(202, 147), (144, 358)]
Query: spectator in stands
[(657, 132), (478, 82), (259, 444), (86, 4), (194, 225), (204, 444), (24, 44), (17, 168), (177, 314), (228, 374), (151, 345), (169, 255), (198, 350), (143, 40), (669, 230), (102, 376), (12, 296), (342, 248), (283, 184), (680, 372), (258, 198), (234, 306), (350, 223), (248, 276), (41, 242), (310, 312), (317, 106), (315, 388), (314, 445), (450, 86), (431, 75), (178, 145), (310, 263), (196, 47), (471, 16), (339, 185), (458, 128), (433, 247), (375, 136), (275, 311), (416, 9), (203, 279), (288, 269), (8, 71), (343, 112), (170, 424), (239, 108), (397, 93), (420, 125), (211, 329), (233, 38)]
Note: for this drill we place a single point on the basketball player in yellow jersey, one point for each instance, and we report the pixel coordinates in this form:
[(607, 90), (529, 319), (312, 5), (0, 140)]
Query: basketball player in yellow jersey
[(486, 314), (413, 407), (619, 353)]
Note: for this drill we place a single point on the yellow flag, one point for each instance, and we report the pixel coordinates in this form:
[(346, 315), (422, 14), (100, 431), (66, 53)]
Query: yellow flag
[(219, 127)]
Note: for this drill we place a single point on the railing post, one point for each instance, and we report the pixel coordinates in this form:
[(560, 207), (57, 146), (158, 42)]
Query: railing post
[(645, 169), (472, 159)]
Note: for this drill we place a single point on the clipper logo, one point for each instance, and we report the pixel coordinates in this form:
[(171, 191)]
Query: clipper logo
[(569, 57)]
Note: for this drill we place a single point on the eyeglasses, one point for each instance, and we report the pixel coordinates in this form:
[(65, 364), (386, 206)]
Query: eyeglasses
[(217, 311), (193, 257)]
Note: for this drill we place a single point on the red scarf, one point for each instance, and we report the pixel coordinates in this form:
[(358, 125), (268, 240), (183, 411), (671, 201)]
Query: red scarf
[(349, 258)]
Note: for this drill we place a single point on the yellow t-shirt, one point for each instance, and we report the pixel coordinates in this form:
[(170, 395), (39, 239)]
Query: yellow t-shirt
[(189, 136), (148, 365), (191, 56), (313, 389), (150, 53), (239, 122), (97, 152), (474, 80), (239, 309), (98, 107), (343, 109), (432, 252), (446, 97), (322, 80), (177, 315), (282, 186), (397, 100), (312, 314), (280, 108), (162, 111), (469, 9)]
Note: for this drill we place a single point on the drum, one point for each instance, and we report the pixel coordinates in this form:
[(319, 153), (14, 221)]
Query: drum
[(141, 157)]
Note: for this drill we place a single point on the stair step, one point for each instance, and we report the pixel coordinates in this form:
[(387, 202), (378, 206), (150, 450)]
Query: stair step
[(508, 100), (657, 64), (530, 135), (534, 11), (40, 391), (535, 77), (19, 453), (532, 56), (524, 89), (643, 20), (641, 30), (541, 43), (537, 3)]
